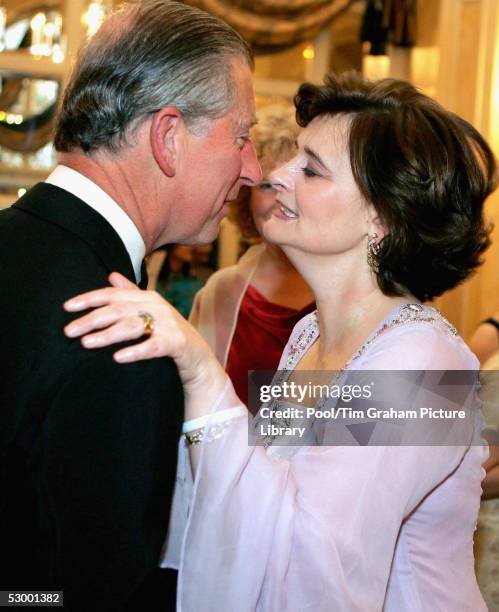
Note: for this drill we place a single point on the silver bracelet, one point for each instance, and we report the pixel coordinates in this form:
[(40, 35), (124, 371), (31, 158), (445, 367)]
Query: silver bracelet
[(194, 437), (217, 430)]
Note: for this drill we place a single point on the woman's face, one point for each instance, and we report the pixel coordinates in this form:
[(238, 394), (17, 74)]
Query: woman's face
[(263, 196), (320, 209)]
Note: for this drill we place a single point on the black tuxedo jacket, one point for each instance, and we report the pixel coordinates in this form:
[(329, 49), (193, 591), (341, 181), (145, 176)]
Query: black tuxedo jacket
[(88, 447)]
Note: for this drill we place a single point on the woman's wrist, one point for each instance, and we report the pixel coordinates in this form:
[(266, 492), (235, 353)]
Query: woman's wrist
[(213, 419), (202, 393)]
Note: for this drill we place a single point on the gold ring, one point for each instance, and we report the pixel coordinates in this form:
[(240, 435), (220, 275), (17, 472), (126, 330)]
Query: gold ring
[(148, 322)]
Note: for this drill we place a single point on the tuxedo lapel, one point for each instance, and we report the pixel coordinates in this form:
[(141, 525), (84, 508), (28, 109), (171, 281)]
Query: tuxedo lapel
[(62, 208), (144, 279)]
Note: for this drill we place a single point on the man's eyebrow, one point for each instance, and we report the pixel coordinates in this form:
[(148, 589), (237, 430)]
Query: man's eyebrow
[(311, 153)]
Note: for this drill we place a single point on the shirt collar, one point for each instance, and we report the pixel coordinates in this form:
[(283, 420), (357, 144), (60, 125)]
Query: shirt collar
[(95, 197)]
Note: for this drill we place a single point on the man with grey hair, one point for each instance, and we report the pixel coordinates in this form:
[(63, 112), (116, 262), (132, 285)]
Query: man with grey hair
[(153, 142)]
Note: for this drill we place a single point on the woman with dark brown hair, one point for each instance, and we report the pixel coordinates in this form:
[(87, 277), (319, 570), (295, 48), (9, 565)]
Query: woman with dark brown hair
[(380, 210)]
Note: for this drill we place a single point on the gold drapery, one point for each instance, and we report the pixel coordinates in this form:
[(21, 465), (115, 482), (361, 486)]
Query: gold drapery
[(22, 9), (275, 24)]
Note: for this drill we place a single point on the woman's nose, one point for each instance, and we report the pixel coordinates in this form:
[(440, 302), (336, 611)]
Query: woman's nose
[(281, 178)]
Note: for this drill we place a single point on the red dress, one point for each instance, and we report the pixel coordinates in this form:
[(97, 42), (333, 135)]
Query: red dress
[(262, 331)]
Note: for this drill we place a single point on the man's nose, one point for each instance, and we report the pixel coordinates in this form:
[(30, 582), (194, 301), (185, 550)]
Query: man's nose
[(251, 173)]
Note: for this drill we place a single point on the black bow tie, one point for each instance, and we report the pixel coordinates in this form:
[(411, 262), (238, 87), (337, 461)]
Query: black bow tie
[(143, 275)]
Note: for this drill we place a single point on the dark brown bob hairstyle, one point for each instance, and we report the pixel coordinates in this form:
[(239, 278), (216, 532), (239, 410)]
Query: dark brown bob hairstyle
[(425, 170)]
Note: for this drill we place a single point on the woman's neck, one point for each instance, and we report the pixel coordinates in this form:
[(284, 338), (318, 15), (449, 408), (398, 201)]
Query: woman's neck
[(349, 301), (346, 323)]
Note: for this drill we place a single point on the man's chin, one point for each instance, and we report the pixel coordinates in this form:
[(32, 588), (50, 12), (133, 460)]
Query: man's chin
[(205, 236)]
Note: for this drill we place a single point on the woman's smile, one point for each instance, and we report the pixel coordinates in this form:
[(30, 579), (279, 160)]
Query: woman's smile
[(283, 212)]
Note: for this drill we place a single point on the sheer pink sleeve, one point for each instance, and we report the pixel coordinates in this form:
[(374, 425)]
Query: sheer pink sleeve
[(317, 528)]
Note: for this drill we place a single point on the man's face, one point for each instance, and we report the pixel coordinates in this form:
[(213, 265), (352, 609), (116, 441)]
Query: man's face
[(215, 165)]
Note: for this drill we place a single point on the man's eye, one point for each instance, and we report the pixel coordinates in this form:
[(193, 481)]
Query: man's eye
[(242, 140), (307, 171)]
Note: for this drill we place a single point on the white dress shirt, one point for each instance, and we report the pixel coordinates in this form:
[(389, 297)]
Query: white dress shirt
[(82, 187)]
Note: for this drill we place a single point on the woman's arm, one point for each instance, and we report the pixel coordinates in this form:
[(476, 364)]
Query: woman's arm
[(116, 318)]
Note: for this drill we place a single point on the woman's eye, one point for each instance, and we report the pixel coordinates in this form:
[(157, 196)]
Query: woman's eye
[(265, 186), (307, 171)]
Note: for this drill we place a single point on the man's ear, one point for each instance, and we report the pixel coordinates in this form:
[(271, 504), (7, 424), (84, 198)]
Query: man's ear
[(166, 132)]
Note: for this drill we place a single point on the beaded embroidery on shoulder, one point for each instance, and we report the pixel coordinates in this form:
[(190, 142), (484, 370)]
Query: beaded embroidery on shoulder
[(406, 314)]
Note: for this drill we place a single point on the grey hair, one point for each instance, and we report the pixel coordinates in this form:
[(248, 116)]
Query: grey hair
[(148, 55)]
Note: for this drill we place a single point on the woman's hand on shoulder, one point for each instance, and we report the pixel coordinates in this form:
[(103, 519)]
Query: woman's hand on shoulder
[(119, 315)]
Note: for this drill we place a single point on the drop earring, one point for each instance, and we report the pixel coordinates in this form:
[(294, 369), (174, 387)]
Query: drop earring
[(373, 252)]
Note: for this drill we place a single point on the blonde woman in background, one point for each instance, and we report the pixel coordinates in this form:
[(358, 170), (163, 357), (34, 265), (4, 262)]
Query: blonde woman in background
[(246, 312)]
